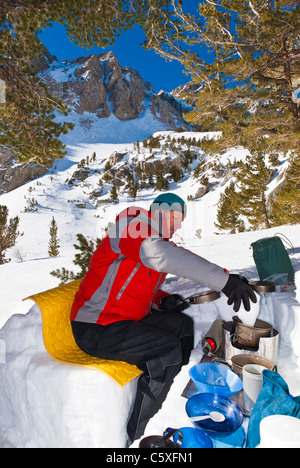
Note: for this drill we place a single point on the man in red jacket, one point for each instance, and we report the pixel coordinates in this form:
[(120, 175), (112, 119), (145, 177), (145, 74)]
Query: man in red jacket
[(120, 312)]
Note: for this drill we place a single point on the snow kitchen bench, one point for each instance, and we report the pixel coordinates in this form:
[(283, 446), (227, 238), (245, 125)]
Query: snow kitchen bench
[(46, 402), (51, 403)]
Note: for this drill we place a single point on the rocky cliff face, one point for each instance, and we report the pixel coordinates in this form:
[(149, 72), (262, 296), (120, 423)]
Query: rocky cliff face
[(99, 85), (12, 174)]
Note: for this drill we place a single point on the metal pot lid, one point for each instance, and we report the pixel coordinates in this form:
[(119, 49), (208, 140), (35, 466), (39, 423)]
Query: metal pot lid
[(262, 286), (204, 297)]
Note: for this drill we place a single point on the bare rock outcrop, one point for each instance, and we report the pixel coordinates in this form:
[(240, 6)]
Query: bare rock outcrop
[(14, 175)]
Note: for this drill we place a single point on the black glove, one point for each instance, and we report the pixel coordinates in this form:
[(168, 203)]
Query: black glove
[(237, 290), (173, 303)]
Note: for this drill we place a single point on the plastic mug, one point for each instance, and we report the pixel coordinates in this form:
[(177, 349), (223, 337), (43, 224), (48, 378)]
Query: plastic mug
[(252, 382)]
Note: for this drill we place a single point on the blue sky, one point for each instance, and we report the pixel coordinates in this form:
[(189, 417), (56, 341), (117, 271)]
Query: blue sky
[(153, 68)]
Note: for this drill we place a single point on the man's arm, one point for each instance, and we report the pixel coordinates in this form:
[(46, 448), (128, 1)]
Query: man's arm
[(162, 256)]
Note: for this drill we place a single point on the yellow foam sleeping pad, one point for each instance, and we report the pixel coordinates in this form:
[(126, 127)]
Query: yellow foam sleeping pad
[(55, 307)]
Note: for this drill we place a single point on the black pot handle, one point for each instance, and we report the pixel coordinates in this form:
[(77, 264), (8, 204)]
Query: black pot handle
[(170, 433)]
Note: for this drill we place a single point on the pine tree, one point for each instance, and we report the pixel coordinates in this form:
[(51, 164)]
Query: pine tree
[(114, 194), (162, 183), (149, 172), (138, 147), (253, 176), (176, 173), (133, 189), (286, 207), (53, 246), (8, 232), (27, 117), (245, 87), (86, 249), (228, 215)]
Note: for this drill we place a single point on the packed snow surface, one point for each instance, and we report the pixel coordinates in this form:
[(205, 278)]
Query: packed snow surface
[(47, 404)]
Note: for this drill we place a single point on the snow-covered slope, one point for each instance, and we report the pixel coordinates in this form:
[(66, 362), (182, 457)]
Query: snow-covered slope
[(53, 196)]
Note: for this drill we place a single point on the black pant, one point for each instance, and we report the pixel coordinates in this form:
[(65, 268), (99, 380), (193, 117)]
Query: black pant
[(159, 345)]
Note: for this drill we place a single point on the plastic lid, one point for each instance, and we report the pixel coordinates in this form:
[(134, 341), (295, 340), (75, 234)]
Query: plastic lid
[(280, 431)]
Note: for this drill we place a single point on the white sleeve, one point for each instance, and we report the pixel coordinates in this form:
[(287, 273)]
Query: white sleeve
[(162, 256)]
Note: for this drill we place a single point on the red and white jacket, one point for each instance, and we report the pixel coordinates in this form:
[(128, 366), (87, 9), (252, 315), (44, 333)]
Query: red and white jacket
[(129, 267)]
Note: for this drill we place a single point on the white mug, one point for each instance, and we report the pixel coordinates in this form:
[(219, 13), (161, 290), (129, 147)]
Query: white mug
[(252, 382)]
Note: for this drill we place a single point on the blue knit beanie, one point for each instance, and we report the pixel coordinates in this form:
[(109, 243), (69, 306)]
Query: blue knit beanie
[(169, 202)]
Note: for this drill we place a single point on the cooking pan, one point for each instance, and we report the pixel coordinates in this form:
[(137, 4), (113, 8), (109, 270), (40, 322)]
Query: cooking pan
[(203, 297), (262, 286)]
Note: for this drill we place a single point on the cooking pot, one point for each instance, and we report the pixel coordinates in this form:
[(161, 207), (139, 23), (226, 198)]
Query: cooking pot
[(163, 442), (250, 336), (240, 360), (268, 345)]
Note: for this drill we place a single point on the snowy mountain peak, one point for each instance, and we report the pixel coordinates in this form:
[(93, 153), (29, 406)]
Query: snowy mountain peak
[(99, 86), (109, 104)]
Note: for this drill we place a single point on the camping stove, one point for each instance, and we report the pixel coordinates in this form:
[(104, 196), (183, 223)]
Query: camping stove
[(267, 347)]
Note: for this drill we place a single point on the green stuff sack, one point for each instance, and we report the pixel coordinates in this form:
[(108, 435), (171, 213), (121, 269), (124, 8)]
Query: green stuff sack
[(271, 257)]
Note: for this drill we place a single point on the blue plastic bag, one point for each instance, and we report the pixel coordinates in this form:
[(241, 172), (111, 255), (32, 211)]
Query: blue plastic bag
[(274, 398)]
